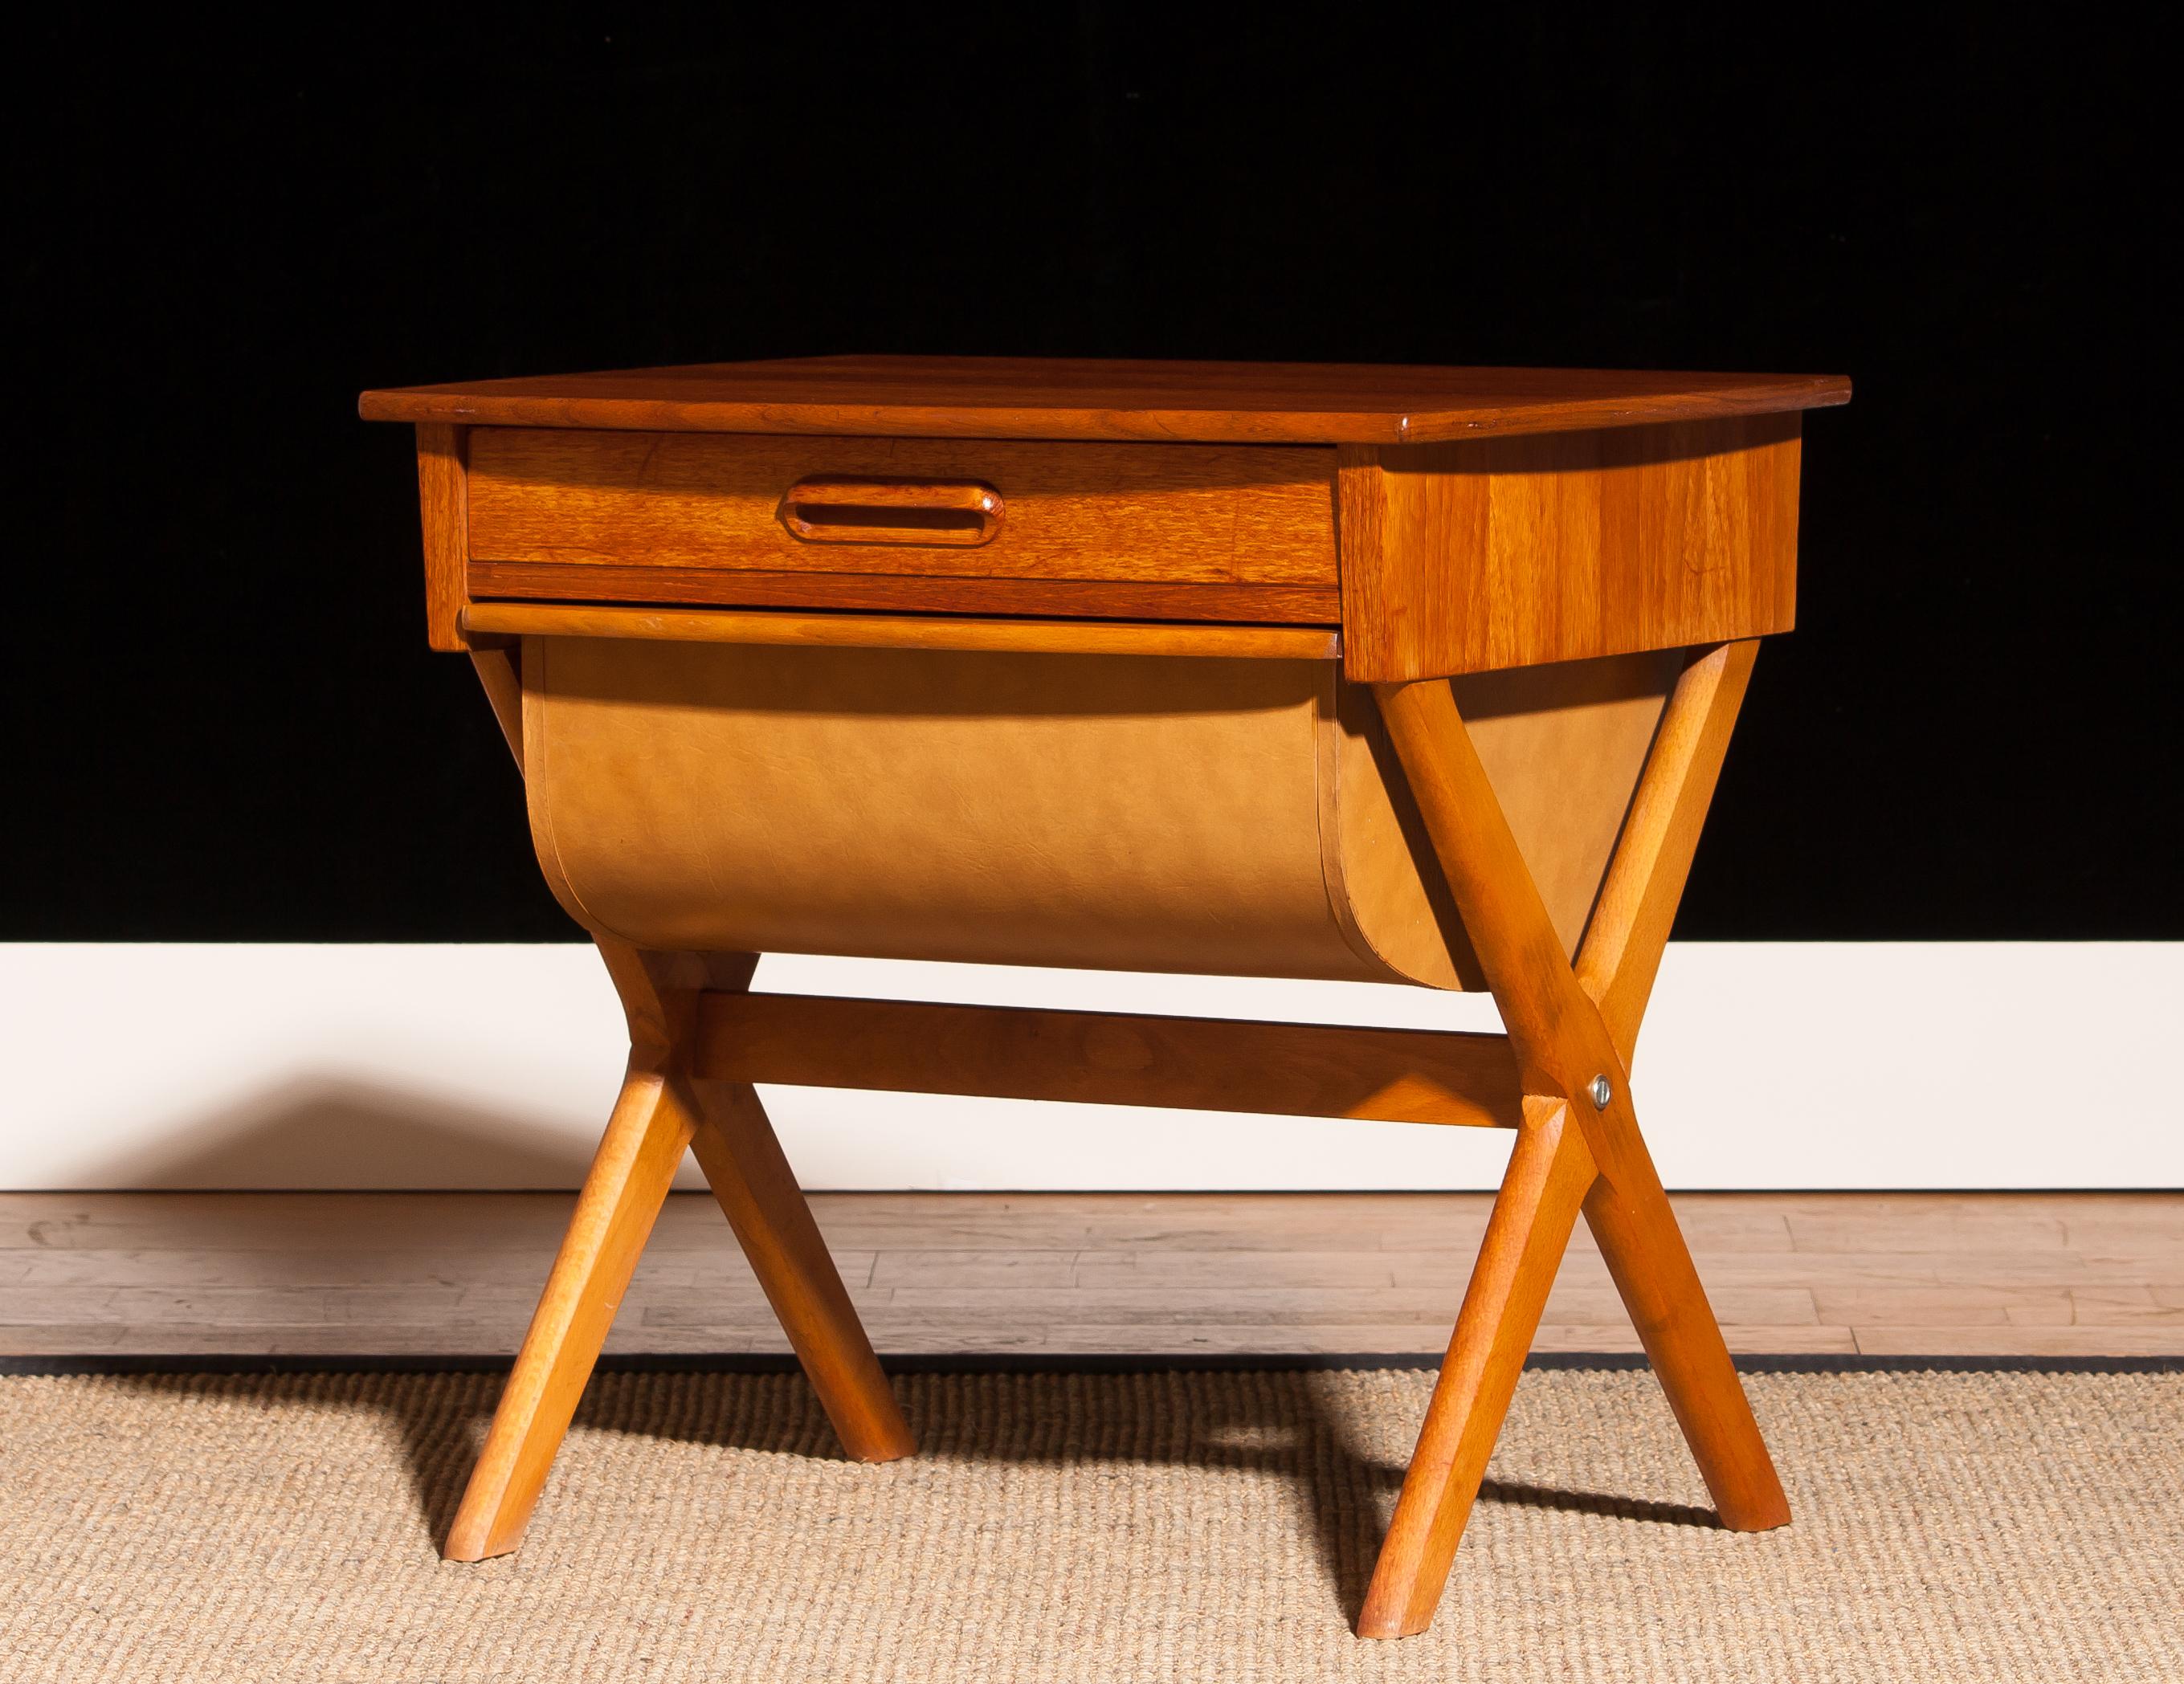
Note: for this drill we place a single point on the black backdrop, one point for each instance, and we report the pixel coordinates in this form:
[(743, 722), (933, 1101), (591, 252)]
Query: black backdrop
[(222, 723)]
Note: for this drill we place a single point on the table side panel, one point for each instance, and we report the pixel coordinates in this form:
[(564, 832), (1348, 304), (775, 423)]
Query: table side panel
[(441, 508), (1503, 553)]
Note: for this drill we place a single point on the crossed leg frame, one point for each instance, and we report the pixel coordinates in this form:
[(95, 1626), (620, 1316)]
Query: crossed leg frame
[(1559, 1075)]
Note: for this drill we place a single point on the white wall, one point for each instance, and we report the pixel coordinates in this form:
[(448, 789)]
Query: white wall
[(1762, 1066)]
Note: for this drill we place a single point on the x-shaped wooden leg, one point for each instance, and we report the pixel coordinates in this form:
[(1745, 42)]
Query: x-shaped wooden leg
[(1572, 1028), (663, 1110)]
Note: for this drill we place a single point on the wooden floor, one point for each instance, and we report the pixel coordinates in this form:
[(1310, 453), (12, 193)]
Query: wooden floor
[(457, 1273)]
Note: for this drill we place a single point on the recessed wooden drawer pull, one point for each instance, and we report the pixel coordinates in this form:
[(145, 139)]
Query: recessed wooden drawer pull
[(962, 513)]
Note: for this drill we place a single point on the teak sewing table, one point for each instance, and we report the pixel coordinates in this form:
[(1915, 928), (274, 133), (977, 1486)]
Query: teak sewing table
[(1393, 674)]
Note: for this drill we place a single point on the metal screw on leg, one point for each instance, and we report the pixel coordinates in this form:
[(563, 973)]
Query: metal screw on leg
[(1603, 1091)]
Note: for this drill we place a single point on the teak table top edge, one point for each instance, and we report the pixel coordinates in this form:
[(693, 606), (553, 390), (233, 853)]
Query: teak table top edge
[(1177, 401)]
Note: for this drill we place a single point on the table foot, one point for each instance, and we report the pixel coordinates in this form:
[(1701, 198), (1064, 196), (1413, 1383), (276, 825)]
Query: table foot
[(652, 1123), (742, 1157), (1550, 1170)]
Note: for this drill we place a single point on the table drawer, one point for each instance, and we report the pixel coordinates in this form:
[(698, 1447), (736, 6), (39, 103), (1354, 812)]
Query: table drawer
[(1169, 515)]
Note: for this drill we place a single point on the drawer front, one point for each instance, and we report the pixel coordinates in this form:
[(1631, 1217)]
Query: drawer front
[(1154, 514)]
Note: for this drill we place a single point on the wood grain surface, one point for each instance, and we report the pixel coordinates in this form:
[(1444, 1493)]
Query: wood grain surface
[(1467, 558), (756, 1190), (903, 594), (1550, 1170), (1005, 397), (779, 626), (1163, 1275), (443, 507), (663, 1111), (1636, 908), (1569, 1062), (644, 1142), (1109, 1058), (1190, 514)]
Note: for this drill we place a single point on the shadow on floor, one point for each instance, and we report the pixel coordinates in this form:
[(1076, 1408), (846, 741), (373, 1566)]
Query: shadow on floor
[(331, 1130), (325, 1131), (1281, 1421)]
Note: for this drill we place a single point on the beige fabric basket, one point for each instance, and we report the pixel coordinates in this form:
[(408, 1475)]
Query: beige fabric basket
[(1127, 812)]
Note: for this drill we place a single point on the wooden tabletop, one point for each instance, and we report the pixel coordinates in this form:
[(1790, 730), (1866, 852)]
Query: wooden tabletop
[(1007, 398)]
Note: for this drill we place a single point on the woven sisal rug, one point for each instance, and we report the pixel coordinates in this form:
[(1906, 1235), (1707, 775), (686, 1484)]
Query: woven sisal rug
[(1204, 1526)]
